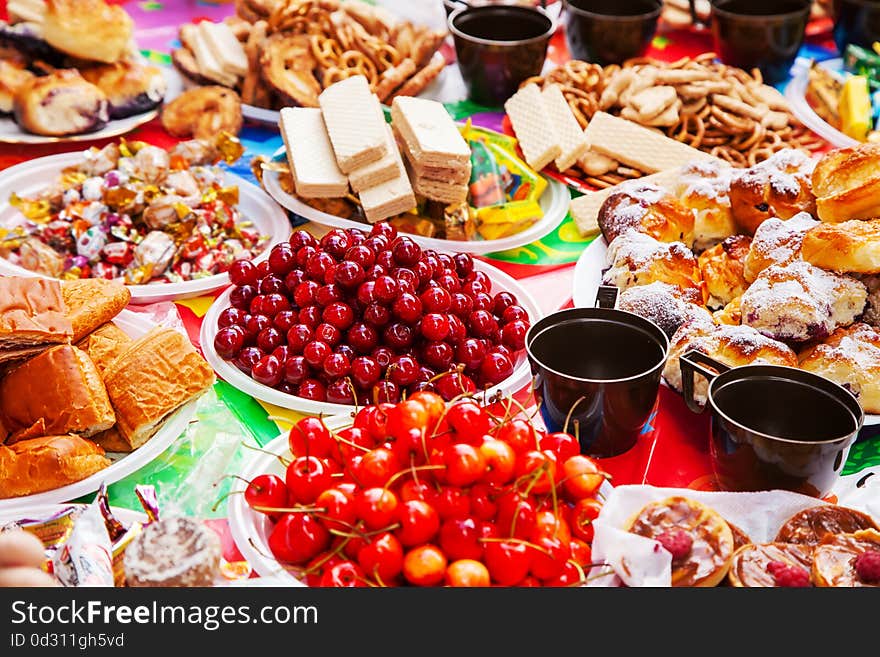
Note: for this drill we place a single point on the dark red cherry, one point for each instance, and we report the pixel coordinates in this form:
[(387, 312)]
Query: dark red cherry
[(229, 341), (243, 272), (267, 371)]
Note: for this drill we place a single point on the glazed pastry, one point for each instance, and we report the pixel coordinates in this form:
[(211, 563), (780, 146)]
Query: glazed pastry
[(41, 464), (88, 29), (131, 87), (800, 302), (704, 187), (638, 259), (58, 391), (848, 560), (771, 565), (777, 242), (722, 269), (666, 305), (699, 539), (846, 247), (777, 187), (61, 103), (13, 76), (32, 316), (850, 357), (810, 526), (203, 112), (730, 345), (152, 378), (847, 183), (731, 314), (92, 302), (173, 551), (647, 209), (104, 345)]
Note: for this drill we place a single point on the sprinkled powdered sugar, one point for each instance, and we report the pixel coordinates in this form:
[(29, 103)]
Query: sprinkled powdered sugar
[(785, 171), (625, 208), (640, 249), (666, 305), (706, 179), (779, 242)]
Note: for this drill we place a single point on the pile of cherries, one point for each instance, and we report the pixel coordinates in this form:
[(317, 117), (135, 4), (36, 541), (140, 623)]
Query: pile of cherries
[(368, 318), (427, 493)]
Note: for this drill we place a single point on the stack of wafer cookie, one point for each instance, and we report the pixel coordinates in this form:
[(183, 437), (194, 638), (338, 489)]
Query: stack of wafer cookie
[(437, 157)]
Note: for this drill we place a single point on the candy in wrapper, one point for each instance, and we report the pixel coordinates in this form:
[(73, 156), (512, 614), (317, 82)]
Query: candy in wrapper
[(473, 133), (36, 210), (86, 558), (105, 270), (156, 250), (41, 258), (118, 253), (149, 500), (229, 146), (118, 197), (91, 242), (52, 531), (486, 185), (860, 61)]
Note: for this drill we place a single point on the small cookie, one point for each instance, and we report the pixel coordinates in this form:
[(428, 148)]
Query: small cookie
[(203, 112), (848, 560), (810, 526), (771, 565)]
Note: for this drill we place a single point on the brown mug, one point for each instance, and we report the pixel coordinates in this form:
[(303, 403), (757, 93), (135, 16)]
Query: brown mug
[(609, 31), (597, 370), (773, 427)]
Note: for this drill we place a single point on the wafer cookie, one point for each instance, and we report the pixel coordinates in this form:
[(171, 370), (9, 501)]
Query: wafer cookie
[(382, 170), (569, 134), (429, 132), (391, 197), (537, 138), (208, 63), (636, 146), (228, 50), (356, 130), (310, 155), (438, 191), (458, 175)]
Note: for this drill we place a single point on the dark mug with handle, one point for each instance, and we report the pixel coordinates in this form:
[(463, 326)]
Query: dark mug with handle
[(773, 427), (609, 31), (597, 373)]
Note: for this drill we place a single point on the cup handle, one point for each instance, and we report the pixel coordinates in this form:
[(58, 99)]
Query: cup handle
[(695, 19), (697, 362), (606, 296)]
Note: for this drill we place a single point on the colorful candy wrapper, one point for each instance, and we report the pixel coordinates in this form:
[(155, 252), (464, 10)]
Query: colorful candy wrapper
[(486, 185), (473, 133), (861, 61), (86, 558), (52, 531), (149, 500)]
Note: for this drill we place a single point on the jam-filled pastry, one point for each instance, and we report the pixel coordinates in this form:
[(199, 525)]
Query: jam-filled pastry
[(811, 525), (780, 186), (704, 187), (88, 29), (131, 87), (203, 113), (666, 305), (635, 259), (699, 539), (648, 209), (13, 75), (851, 560), (771, 565), (730, 345), (799, 302), (722, 269), (851, 358), (777, 242), (61, 103)]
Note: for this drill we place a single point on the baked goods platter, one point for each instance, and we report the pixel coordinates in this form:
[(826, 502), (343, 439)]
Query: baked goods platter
[(122, 390), (284, 53), (166, 223), (70, 71)]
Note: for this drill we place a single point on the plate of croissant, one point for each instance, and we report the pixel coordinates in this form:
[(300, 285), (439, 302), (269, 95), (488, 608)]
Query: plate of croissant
[(69, 72), (90, 392), (778, 263)]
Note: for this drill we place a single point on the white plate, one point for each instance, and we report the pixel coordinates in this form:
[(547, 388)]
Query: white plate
[(796, 92), (588, 278), (238, 379), (11, 133), (123, 464), (554, 203), (32, 177)]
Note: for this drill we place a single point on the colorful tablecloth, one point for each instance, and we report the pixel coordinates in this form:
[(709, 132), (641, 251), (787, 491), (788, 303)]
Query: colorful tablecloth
[(194, 473)]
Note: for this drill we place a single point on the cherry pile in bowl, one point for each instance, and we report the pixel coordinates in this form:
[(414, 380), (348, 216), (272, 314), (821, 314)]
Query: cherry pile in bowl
[(367, 318), (426, 493)]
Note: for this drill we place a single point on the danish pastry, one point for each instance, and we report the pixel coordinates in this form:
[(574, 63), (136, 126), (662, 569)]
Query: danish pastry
[(849, 246), (812, 525), (800, 302), (638, 259), (754, 565), (704, 187), (666, 305), (780, 186), (699, 539), (777, 242), (647, 209), (730, 345), (61, 103), (731, 313), (850, 357), (847, 183), (848, 560), (722, 268), (130, 86), (203, 112), (88, 29), (13, 76)]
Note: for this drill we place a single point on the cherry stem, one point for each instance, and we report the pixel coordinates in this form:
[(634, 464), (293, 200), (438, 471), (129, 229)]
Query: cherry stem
[(342, 440), (283, 460), (332, 553), (226, 496), (570, 411), (518, 541), (398, 475), (290, 509), (529, 419), (582, 577), (280, 420)]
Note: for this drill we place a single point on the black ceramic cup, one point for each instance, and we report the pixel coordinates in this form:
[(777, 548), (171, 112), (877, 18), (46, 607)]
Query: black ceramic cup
[(857, 22), (498, 47), (774, 427), (609, 31), (598, 371), (763, 34)]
